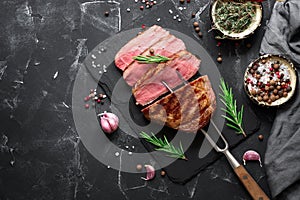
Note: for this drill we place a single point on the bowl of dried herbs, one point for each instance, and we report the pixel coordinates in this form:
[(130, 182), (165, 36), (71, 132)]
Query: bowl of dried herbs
[(236, 19)]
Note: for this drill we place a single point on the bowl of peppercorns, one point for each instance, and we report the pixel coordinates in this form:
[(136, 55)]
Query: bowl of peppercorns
[(270, 80)]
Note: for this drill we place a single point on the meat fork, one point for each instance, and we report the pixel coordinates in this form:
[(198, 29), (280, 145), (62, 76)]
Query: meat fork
[(249, 183)]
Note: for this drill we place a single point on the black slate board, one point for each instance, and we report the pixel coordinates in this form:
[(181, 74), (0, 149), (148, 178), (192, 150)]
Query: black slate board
[(199, 153)]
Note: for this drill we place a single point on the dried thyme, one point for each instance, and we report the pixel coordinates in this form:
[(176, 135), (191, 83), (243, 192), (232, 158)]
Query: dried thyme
[(234, 16)]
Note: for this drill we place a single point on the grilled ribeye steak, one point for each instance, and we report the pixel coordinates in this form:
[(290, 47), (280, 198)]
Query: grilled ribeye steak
[(149, 87), (167, 46), (188, 108), (138, 45)]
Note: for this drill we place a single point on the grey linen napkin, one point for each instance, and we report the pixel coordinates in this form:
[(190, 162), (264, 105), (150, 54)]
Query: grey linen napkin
[(282, 158)]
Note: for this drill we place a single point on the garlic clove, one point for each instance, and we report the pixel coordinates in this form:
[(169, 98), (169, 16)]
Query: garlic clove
[(109, 122), (251, 155), (150, 173)]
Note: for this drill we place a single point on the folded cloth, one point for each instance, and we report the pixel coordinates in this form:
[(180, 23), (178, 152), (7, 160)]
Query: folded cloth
[(282, 159)]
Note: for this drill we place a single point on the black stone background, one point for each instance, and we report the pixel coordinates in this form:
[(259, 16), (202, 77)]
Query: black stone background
[(41, 156)]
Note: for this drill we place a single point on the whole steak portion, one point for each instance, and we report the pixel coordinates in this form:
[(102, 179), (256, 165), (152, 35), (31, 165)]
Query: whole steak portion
[(149, 87), (139, 45), (188, 108)]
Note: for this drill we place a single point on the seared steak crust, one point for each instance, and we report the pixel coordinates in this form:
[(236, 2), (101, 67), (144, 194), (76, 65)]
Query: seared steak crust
[(188, 108)]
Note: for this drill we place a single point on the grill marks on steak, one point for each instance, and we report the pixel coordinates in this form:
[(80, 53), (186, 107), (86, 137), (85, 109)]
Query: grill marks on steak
[(188, 108), (150, 86), (167, 46), (138, 45)]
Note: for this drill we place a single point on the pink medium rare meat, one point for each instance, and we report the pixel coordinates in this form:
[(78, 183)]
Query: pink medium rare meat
[(167, 46), (138, 45), (150, 86)]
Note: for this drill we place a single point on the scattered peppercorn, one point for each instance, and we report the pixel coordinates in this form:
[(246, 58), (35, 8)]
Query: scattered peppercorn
[(197, 29), (193, 14), (219, 59), (259, 98), (276, 66), (200, 34), (196, 24), (266, 98), (253, 92), (151, 51), (106, 13), (181, 1), (248, 45), (260, 137), (162, 173), (139, 167)]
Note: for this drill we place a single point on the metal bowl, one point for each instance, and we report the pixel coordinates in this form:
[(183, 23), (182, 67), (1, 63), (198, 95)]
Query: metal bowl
[(269, 58), (256, 21)]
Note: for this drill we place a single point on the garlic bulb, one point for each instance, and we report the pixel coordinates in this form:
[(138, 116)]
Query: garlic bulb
[(109, 122)]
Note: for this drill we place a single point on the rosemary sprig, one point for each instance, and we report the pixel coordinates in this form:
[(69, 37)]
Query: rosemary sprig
[(151, 59), (234, 16), (235, 117), (165, 146)]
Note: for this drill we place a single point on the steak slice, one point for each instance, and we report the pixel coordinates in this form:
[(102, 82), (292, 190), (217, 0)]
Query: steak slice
[(188, 108), (166, 47), (138, 45), (150, 87)]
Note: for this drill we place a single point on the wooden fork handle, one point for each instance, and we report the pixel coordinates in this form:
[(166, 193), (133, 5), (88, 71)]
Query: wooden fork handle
[(250, 184)]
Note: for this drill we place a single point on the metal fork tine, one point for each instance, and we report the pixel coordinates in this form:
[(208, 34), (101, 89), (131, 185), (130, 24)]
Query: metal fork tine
[(212, 142), (181, 77), (167, 86), (221, 135)]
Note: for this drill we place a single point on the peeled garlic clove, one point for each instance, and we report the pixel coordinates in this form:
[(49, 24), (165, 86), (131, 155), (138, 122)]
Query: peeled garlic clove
[(109, 122), (251, 155), (150, 173)]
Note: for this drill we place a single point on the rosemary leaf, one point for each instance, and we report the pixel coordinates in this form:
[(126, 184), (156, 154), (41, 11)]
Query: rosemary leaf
[(165, 146), (234, 117), (151, 59)]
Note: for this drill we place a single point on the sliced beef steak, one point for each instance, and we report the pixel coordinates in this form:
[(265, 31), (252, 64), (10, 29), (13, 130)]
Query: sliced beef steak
[(149, 87), (138, 45), (166, 47), (188, 108)]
